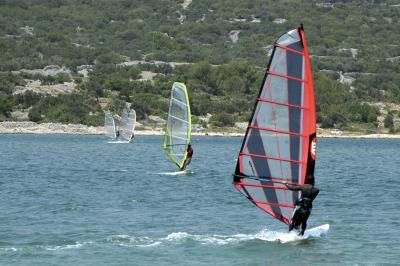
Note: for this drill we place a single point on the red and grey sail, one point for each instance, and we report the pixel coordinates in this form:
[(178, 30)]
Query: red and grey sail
[(280, 141)]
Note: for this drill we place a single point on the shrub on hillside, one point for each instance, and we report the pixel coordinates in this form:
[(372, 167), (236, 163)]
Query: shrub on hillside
[(222, 119)]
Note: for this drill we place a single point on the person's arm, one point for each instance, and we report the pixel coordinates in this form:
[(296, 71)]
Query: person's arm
[(315, 193), (293, 187)]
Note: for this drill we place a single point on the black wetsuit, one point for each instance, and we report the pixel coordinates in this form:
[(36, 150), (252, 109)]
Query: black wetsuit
[(188, 158), (303, 206)]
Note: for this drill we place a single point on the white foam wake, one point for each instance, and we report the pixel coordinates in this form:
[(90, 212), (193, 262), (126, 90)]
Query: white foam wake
[(185, 172), (264, 235), (215, 239), (118, 141), (182, 237), (76, 245), (69, 246)]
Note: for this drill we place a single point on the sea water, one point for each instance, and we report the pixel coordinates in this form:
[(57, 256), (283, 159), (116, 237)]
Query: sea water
[(79, 200)]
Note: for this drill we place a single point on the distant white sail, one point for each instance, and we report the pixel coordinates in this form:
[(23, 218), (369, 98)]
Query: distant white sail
[(109, 125), (128, 123)]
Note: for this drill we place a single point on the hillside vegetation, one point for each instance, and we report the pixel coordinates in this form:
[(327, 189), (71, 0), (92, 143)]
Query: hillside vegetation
[(106, 47)]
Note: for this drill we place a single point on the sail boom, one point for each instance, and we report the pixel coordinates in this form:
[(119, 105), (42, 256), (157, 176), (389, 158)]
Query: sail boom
[(269, 179), (261, 186)]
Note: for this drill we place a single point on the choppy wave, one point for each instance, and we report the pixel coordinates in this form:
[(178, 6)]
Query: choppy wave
[(9, 249), (32, 248), (132, 241)]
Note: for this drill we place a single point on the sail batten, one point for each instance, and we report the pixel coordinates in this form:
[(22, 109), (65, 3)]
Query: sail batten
[(177, 101), (279, 140), (285, 76), (288, 49), (177, 133), (271, 158), (277, 131), (279, 103), (177, 118)]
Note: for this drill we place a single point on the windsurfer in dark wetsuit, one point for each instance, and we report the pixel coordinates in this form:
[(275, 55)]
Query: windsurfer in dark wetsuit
[(303, 205), (189, 154)]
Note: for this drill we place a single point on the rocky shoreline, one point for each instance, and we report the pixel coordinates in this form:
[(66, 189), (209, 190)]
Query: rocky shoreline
[(48, 128), (11, 127)]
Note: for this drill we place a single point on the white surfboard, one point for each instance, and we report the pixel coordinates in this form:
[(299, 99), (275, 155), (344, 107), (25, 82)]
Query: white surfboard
[(308, 234)]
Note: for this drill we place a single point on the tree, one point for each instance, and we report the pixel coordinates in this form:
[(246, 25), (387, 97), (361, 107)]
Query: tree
[(388, 121)]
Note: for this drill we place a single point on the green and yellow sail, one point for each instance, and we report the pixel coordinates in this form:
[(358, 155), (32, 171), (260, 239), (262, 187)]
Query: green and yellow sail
[(179, 125)]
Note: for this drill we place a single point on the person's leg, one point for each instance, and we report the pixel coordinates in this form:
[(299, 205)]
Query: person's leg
[(186, 163), (294, 222), (305, 215)]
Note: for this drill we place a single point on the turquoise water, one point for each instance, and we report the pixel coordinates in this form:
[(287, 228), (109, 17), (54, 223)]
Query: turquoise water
[(78, 200)]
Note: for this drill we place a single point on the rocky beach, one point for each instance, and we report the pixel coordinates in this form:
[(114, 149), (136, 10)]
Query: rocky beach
[(27, 127)]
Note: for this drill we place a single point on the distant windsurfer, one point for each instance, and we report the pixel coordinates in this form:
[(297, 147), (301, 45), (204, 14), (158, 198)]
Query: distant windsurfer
[(117, 133), (189, 154), (303, 205), (132, 137)]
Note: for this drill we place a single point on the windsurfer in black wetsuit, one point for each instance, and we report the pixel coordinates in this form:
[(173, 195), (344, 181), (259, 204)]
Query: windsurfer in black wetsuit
[(304, 204), (117, 134), (189, 154)]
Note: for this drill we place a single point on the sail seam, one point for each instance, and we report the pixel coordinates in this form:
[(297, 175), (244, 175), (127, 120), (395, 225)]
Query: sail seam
[(270, 157), (277, 131), (174, 136), (288, 49), (280, 103), (273, 204), (285, 76)]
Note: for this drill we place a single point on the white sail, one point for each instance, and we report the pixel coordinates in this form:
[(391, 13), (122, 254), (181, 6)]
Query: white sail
[(179, 125), (128, 122), (109, 125)]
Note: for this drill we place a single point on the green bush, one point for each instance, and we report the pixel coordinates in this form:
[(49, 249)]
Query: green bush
[(34, 115), (222, 119)]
